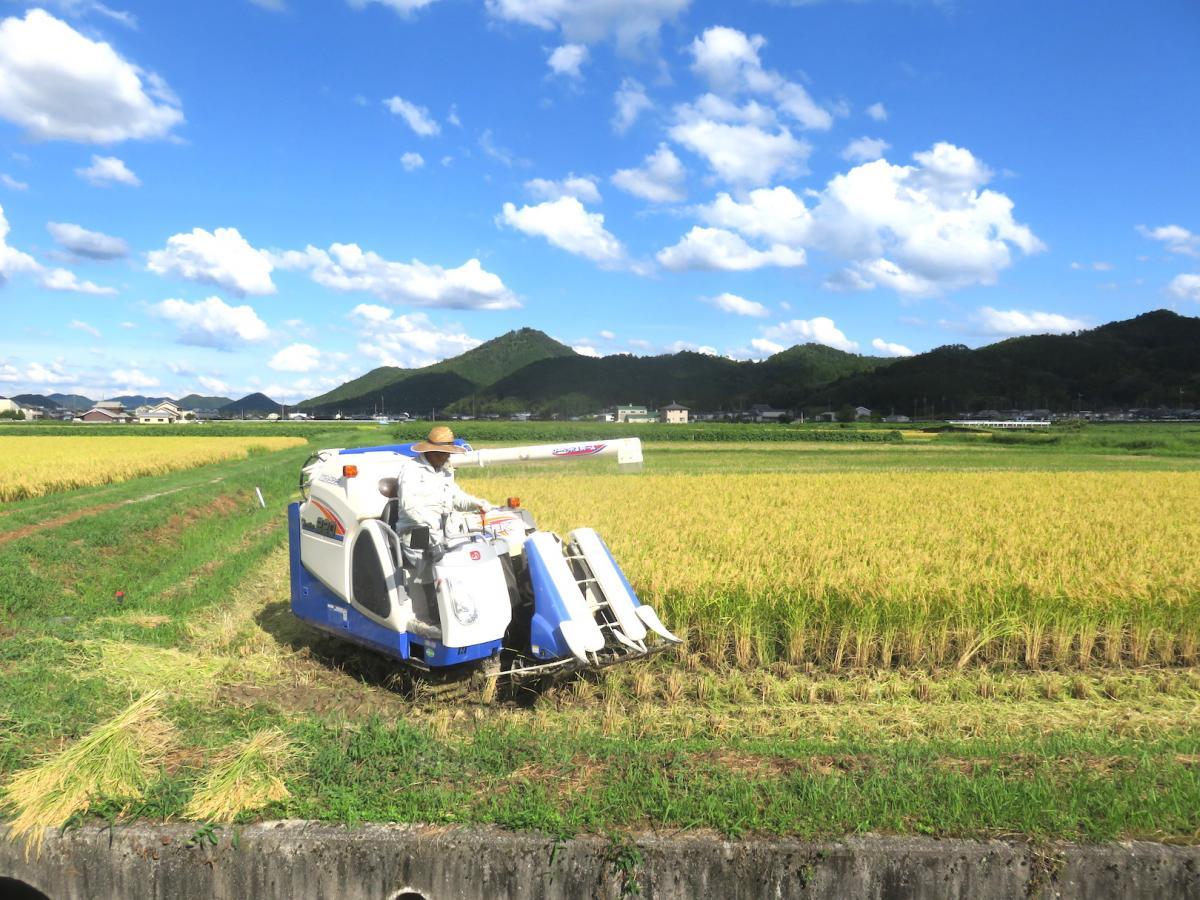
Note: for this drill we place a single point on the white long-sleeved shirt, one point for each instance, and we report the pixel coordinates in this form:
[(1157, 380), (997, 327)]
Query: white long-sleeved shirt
[(430, 497)]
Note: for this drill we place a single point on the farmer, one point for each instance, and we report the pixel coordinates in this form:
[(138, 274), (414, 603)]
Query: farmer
[(427, 492)]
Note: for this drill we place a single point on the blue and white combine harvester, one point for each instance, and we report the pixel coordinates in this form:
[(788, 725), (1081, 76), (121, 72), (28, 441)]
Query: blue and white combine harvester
[(490, 597)]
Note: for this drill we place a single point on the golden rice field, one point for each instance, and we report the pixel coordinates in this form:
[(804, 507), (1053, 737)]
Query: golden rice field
[(31, 466), (901, 568)]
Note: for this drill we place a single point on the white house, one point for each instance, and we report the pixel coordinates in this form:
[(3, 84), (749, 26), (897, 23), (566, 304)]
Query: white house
[(673, 414), (163, 413)]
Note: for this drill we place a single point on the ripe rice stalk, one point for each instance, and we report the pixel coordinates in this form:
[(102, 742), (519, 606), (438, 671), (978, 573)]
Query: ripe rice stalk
[(115, 760), (141, 667), (247, 776)]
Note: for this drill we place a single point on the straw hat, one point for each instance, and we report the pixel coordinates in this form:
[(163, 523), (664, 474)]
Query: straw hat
[(440, 440)]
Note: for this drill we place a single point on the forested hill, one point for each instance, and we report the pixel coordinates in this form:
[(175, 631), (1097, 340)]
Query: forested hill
[(1151, 360), (395, 390)]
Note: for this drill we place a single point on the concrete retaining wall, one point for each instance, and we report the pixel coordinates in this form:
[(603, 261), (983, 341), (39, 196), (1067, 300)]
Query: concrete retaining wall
[(389, 862)]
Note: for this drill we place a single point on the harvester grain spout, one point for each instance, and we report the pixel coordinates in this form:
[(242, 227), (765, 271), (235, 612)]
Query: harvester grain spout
[(494, 594)]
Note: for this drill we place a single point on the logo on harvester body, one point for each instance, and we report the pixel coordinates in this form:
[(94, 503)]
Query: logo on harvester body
[(326, 524), (578, 450), (475, 554)]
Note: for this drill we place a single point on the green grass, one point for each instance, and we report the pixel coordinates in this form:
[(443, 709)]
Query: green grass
[(677, 743)]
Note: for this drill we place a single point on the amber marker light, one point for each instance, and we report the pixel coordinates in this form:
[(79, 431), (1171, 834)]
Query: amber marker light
[(349, 471)]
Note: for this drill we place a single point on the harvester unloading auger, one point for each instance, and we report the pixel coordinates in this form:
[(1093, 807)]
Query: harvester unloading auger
[(492, 599)]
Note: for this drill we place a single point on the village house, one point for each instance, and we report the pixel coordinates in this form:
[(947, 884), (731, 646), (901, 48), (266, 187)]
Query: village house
[(636, 414), (673, 414), (106, 411), (164, 413)]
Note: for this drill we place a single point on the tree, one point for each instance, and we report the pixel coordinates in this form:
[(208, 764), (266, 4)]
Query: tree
[(845, 413)]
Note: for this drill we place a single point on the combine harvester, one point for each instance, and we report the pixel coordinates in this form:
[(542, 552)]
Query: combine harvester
[(494, 599)]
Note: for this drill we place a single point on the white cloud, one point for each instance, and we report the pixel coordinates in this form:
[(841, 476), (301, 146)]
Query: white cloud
[(1176, 238), (107, 170), (581, 187), (865, 149), (403, 7), (58, 84), (130, 380), (568, 225), (586, 350), (741, 152), (84, 327), (728, 59), (878, 112), (502, 155), (821, 329), (567, 60), (215, 386), (296, 358), (13, 260), (770, 348), (887, 348), (412, 161), (39, 374), (775, 214), (1014, 321), (347, 267), (212, 322), (1099, 266), (630, 101), (633, 25), (1185, 287), (660, 178), (607, 335), (66, 280), (417, 117), (718, 249), (81, 242), (221, 257), (9, 182), (408, 341), (739, 306), (688, 346)]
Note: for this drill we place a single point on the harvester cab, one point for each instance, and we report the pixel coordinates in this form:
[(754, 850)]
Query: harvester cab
[(489, 593)]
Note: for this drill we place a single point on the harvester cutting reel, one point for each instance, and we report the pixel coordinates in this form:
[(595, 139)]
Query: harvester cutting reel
[(489, 601)]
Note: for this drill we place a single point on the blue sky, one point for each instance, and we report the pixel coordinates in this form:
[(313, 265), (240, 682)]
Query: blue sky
[(279, 195)]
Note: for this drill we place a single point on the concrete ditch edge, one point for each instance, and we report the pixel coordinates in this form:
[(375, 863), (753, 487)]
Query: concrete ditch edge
[(422, 862)]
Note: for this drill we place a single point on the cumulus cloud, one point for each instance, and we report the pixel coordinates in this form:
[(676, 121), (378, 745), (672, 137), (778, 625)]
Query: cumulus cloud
[(1176, 238), (821, 329), (403, 7), (13, 260), (81, 242), (568, 225), (887, 348), (130, 380), (296, 358), (586, 350), (212, 323), (84, 327), (739, 306), (607, 335), (919, 230), (214, 386), (347, 267), (409, 341), (581, 187), (630, 101), (659, 179), (865, 149), (66, 280), (632, 25), (417, 117), (221, 257), (9, 182), (689, 347), (740, 143), (718, 249), (729, 60), (878, 112), (1185, 287), (568, 60), (775, 215), (108, 170), (58, 84), (1010, 322), (412, 161)]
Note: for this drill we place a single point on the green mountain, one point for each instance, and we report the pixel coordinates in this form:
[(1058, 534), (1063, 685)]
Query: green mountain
[(1150, 360), (196, 401), (71, 401), (578, 384), (133, 401), (252, 404), (419, 390), (36, 400)]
